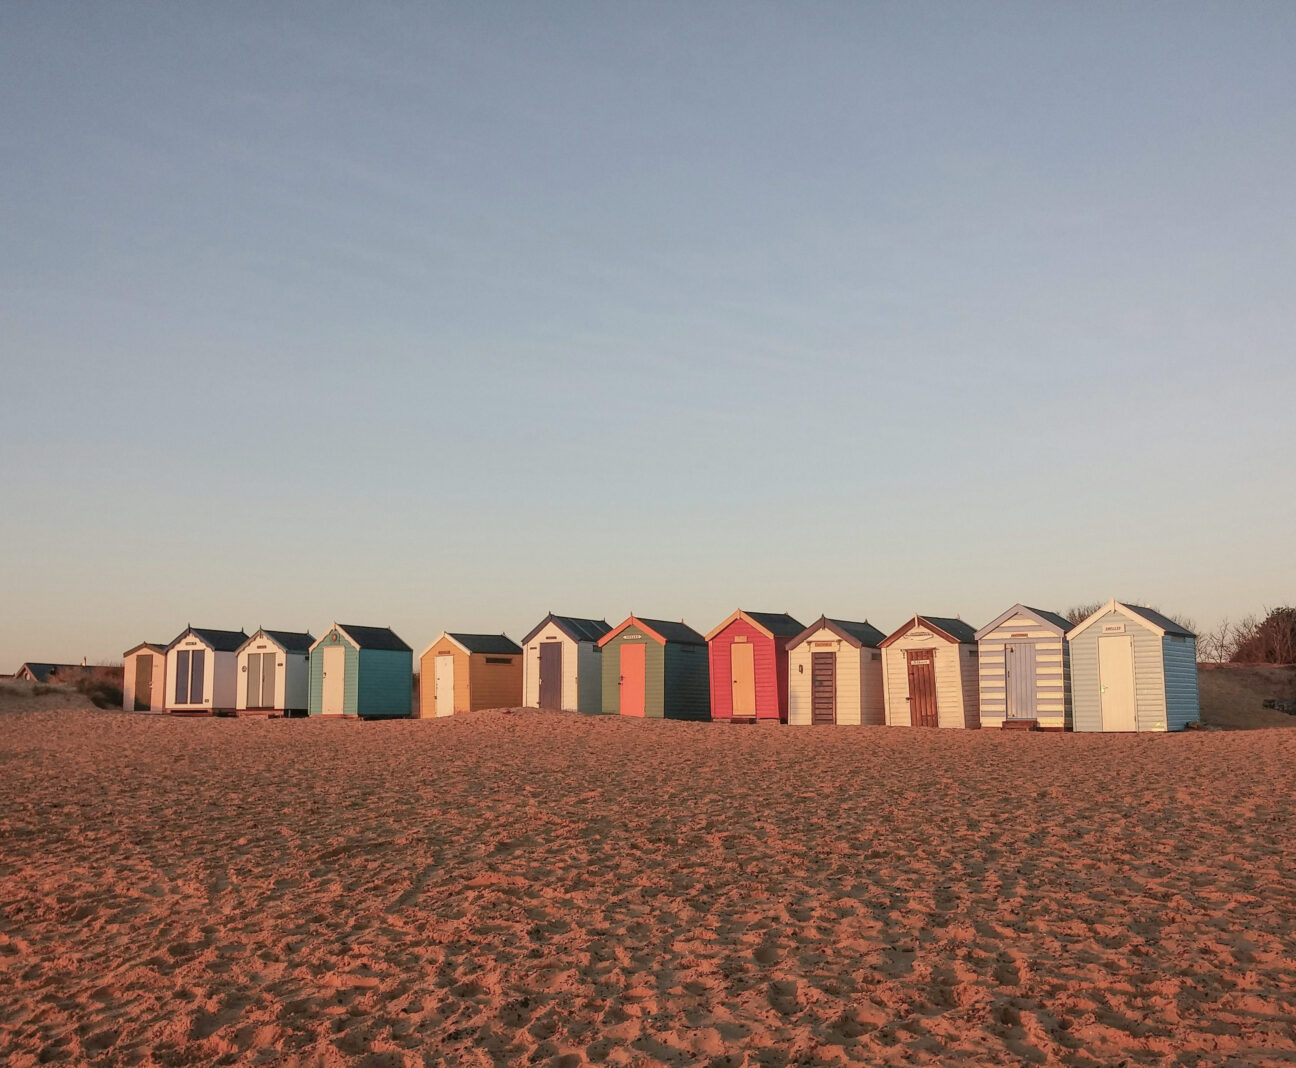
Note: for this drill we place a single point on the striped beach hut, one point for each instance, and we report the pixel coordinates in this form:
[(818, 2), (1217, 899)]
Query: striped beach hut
[(562, 664), (144, 678), (202, 672), (835, 674), (655, 669), (469, 672), (274, 673), (748, 662), (361, 671), (1024, 681), (1132, 669), (929, 666)]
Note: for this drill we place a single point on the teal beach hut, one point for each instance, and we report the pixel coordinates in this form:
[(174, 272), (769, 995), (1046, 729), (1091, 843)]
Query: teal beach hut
[(361, 671)]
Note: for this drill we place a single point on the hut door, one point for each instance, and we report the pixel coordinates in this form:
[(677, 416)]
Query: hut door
[(443, 686), (144, 682), (254, 680), (333, 688), (633, 657), (922, 687), (267, 680), (551, 674), (742, 661), (823, 687), (1019, 679), (1116, 682)]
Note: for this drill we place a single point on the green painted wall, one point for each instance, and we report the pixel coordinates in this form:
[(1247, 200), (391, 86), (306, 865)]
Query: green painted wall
[(654, 673), (688, 682), (386, 682)]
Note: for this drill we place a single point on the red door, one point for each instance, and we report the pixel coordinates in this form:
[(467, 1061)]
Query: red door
[(632, 678), (922, 687)]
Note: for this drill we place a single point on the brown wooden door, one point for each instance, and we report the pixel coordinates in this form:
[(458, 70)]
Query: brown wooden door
[(823, 688), (633, 657), (742, 661), (143, 682), (922, 687), (551, 675)]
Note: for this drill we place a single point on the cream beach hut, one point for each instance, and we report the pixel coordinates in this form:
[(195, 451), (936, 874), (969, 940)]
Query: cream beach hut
[(929, 666), (1132, 669), (835, 674), (562, 664), (202, 672), (274, 673), (144, 678), (1024, 681)]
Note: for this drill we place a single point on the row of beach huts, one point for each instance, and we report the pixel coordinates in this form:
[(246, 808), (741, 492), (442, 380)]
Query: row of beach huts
[(1124, 668)]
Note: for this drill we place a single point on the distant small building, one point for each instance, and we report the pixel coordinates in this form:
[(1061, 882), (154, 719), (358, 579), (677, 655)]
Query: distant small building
[(749, 665), (49, 674), (930, 668), (835, 674), (366, 672), (202, 672), (144, 678), (562, 664), (655, 669), (274, 673), (1023, 658), (1132, 669), (468, 672)]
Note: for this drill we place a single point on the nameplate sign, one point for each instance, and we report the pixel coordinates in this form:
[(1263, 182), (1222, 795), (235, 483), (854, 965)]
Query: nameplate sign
[(1113, 628)]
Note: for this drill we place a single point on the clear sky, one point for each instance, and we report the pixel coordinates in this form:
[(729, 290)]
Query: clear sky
[(445, 316)]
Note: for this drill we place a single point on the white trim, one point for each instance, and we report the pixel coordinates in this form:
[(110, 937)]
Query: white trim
[(1019, 609), (1115, 606)]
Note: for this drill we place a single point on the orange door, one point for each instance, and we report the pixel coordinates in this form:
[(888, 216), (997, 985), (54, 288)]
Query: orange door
[(632, 678), (742, 661)]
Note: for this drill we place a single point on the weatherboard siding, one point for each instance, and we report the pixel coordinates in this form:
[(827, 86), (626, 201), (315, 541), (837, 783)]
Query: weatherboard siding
[(350, 682), (956, 681), (859, 696), (589, 683), (1149, 678), (687, 682), (654, 673), (766, 660), (386, 683), (1051, 684), (494, 685), (1182, 700)]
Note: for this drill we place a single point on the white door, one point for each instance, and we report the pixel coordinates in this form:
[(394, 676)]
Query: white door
[(333, 693), (443, 694), (1116, 682)]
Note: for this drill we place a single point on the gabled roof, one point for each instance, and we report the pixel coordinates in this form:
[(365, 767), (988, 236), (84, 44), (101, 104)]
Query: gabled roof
[(290, 641), (42, 671), (1051, 620), (661, 630), (952, 630), (860, 635), (1148, 617), (220, 641), (486, 643), (156, 647), (771, 624), (577, 628), (382, 638)]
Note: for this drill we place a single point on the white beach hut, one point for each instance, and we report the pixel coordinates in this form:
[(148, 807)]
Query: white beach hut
[(202, 672), (563, 664), (274, 673)]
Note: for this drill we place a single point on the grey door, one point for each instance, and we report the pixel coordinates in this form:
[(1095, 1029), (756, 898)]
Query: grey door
[(1019, 680), (254, 680), (551, 675), (268, 680)]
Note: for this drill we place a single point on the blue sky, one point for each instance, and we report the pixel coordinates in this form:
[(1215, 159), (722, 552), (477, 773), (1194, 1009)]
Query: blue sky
[(444, 316)]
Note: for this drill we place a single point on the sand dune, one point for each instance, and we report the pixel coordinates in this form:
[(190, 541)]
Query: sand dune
[(534, 888)]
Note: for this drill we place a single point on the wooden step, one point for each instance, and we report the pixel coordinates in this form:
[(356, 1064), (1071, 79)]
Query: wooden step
[(1021, 724)]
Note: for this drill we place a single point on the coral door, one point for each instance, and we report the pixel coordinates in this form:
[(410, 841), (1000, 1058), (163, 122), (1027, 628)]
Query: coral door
[(823, 687), (1019, 680), (333, 683), (633, 656), (443, 686), (742, 662), (551, 675), (922, 688), (144, 682), (1116, 682)]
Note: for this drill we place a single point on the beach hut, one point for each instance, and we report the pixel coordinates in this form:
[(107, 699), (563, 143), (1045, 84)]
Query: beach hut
[(1132, 669), (202, 672), (1023, 670), (274, 673), (929, 667), (361, 671), (655, 669), (835, 674), (748, 662), (144, 678), (467, 672), (562, 664)]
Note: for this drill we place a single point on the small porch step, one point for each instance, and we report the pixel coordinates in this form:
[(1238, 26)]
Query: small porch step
[(1021, 724)]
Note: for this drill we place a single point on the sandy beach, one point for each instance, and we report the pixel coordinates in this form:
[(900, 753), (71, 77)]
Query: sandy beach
[(537, 888)]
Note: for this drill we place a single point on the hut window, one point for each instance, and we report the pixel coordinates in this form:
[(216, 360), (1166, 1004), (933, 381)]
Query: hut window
[(499, 660), (877, 656)]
